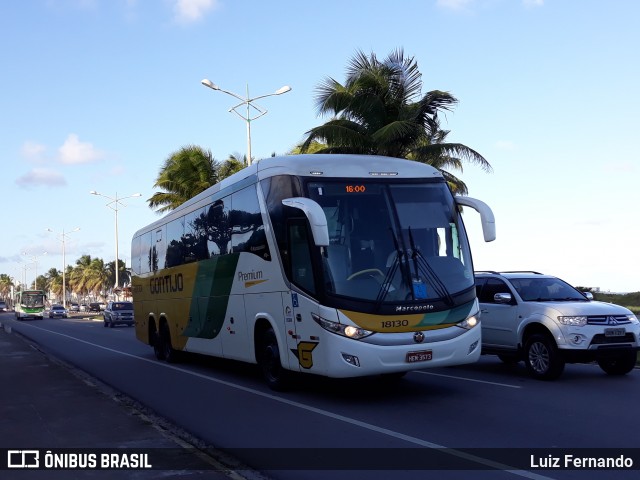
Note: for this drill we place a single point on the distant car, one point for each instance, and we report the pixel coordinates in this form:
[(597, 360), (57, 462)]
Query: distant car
[(74, 307), (117, 313), (57, 311), (3, 306), (102, 305), (546, 322), (94, 307), (84, 307)]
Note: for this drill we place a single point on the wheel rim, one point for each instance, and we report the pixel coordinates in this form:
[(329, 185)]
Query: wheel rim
[(539, 357)]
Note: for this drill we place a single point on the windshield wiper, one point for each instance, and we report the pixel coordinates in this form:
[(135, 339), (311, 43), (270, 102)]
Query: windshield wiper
[(428, 272), (391, 271)]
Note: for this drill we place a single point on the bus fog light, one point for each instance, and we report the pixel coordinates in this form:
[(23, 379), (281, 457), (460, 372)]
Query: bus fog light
[(351, 359), (473, 346)]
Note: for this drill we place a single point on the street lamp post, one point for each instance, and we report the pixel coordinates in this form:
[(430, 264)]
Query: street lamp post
[(249, 105), (62, 237), (113, 204), (34, 259)]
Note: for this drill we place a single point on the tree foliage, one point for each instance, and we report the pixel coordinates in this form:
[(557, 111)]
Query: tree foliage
[(380, 110)]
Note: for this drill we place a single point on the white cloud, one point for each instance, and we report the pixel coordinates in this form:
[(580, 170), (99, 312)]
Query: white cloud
[(41, 176), (32, 151), (188, 11), (73, 151)]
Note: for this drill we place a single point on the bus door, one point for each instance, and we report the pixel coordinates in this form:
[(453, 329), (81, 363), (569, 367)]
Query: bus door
[(302, 337)]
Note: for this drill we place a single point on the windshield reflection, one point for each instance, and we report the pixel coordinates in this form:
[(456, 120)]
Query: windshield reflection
[(546, 289), (393, 242)]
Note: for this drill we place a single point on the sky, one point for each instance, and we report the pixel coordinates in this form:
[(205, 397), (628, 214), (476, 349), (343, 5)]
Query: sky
[(96, 94)]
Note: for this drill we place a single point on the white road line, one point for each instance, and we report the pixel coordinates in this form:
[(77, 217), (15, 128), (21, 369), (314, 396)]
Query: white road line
[(352, 421), (467, 379)]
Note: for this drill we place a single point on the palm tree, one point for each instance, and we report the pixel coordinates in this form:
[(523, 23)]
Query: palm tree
[(187, 172), (380, 111), (6, 282), (96, 276), (77, 278), (54, 282), (124, 273), (233, 164)]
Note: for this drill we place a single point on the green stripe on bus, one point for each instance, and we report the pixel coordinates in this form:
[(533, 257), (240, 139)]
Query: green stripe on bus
[(213, 283)]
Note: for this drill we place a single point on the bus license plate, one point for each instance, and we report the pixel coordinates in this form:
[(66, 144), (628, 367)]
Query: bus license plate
[(614, 332), (423, 356)]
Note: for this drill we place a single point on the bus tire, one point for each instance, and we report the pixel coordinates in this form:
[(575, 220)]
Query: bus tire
[(154, 338), (276, 377), (171, 355)]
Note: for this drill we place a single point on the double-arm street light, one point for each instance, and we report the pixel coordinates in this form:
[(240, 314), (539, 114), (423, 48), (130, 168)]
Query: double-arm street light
[(248, 101), (114, 203), (34, 259), (63, 237)]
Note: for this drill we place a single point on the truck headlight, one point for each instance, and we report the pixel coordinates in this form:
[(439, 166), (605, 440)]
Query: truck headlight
[(574, 321), (348, 331)]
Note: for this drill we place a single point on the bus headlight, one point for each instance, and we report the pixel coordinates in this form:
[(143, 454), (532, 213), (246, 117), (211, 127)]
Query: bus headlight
[(348, 331), (468, 323)]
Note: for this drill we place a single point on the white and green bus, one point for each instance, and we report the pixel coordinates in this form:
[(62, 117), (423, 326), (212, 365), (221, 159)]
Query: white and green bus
[(29, 304), (336, 265)]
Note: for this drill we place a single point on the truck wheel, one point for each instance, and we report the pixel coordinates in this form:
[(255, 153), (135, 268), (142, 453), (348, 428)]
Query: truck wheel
[(542, 358), (277, 378), (619, 365)]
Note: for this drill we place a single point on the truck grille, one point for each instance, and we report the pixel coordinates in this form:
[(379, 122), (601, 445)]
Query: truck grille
[(607, 320)]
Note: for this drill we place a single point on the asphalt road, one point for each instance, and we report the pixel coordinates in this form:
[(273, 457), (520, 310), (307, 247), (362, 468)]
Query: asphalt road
[(485, 415)]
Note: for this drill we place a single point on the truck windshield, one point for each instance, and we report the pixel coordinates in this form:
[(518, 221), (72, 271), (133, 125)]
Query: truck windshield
[(546, 289), (393, 242)]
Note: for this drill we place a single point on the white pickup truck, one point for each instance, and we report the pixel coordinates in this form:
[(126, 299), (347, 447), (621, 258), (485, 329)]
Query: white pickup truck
[(546, 322)]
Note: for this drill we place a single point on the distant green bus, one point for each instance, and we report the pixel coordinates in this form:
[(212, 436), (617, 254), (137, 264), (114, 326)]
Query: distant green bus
[(30, 304)]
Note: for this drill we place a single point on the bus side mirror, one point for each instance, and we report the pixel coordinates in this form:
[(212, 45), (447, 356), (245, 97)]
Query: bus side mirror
[(315, 215), (486, 216)]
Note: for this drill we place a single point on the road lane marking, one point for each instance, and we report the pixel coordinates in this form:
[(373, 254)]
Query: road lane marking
[(468, 379), (335, 416)]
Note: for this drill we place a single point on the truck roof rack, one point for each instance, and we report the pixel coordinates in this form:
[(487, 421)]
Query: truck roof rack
[(508, 271), (523, 271)]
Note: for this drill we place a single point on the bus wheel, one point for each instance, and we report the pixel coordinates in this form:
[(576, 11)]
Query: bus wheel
[(158, 349), (170, 354), (269, 360)]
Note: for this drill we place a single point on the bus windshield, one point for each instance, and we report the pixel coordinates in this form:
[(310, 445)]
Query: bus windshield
[(33, 300), (393, 241)]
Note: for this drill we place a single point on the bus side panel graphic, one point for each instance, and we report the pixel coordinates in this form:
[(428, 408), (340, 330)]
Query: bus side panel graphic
[(213, 283)]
